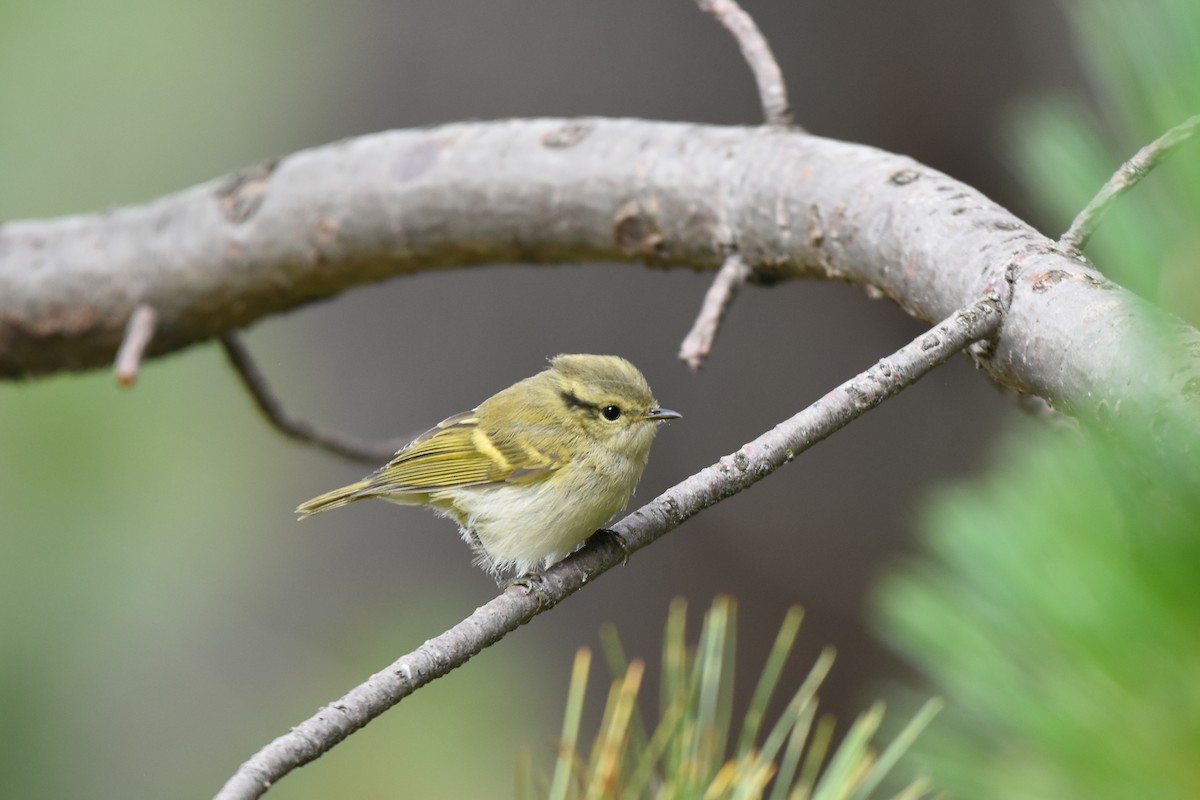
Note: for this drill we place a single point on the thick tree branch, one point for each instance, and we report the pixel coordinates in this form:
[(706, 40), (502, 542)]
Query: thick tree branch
[(224, 254), (516, 606)]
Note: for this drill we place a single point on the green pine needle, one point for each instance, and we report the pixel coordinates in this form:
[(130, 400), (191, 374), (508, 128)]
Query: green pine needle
[(686, 755)]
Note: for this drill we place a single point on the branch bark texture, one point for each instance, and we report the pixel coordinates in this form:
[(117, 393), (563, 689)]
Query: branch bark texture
[(516, 606), (224, 254)]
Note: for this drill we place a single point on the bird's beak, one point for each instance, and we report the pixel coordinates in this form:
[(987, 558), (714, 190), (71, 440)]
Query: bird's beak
[(661, 414)]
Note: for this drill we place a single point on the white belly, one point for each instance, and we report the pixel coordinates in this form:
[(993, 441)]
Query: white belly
[(521, 528)]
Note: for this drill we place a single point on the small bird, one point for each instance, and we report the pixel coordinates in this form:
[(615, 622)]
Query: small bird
[(534, 469)]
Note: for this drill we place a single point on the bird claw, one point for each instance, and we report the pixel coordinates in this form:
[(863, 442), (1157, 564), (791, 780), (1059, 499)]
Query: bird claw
[(534, 584), (619, 541)]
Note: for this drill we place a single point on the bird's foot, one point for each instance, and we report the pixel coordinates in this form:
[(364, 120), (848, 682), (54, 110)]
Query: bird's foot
[(533, 583), (618, 540)]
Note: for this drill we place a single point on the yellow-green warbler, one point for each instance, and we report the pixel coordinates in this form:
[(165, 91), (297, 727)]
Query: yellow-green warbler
[(534, 469)]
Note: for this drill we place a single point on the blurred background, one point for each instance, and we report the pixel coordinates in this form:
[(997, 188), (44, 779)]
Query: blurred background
[(162, 615)]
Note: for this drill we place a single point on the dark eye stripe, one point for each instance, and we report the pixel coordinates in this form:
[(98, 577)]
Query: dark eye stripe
[(574, 402)]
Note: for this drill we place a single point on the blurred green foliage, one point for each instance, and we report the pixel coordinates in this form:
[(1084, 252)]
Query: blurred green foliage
[(1058, 604), (1059, 613), (1143, 60), (122, 100)]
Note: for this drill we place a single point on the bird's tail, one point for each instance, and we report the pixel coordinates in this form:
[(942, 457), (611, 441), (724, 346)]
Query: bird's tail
[(335, 499)]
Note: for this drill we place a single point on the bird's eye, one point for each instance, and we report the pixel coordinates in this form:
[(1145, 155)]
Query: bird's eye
[(611, 413)]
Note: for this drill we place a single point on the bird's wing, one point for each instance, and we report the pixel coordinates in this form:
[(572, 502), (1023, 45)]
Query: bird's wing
[(457, 453)]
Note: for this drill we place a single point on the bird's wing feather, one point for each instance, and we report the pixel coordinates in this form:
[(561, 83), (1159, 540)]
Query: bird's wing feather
[(459, 453)]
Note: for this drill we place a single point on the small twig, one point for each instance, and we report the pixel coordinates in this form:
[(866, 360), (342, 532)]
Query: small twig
[(138, 333), (301, 430), (1126, 178), (771, 90), (516, 606), (730, 278)]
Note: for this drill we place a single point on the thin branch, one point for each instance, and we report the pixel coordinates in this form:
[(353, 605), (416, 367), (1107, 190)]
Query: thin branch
[(138, 334), (771, 90), (1125, 178), (516, 606), (271, 407), (729, 280)]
